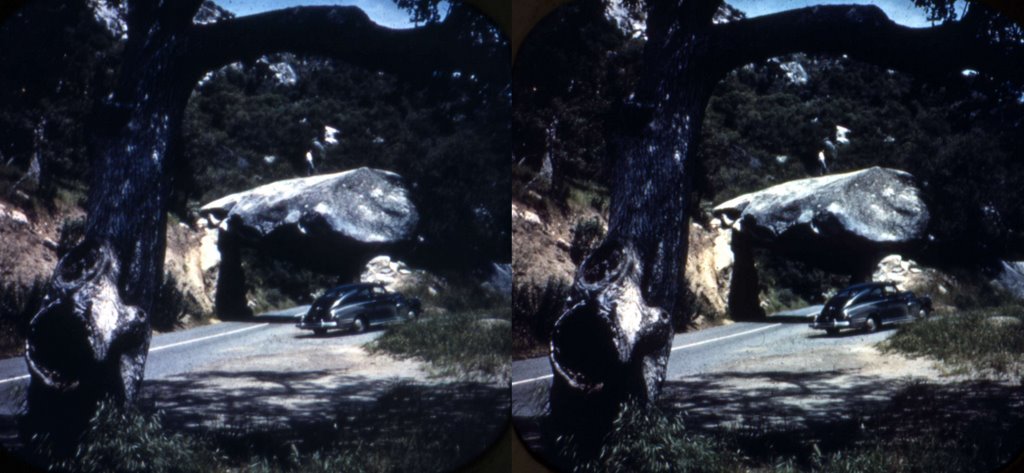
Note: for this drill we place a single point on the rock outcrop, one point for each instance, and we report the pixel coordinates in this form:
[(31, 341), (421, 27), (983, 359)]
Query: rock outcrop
[(363, 205), (709, 263), (498, 279), (331, 222), (1011, 278), (397, 276), (842, 222), (910, 276)]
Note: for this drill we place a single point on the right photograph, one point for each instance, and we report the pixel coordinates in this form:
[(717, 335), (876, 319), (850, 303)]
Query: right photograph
[(773, 236)]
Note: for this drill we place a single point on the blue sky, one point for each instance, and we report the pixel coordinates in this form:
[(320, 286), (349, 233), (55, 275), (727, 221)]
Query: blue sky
[(383, 12), (900, 11), (386, 13)]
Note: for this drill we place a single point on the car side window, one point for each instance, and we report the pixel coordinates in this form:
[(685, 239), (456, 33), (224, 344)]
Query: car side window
[(379, 291), (872, 295), (361, 295)]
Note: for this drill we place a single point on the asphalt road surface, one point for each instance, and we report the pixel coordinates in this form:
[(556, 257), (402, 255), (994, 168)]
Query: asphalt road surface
[(185, 350), (699, 353)]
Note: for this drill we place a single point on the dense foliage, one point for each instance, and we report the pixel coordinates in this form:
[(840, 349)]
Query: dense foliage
[(64, 58)]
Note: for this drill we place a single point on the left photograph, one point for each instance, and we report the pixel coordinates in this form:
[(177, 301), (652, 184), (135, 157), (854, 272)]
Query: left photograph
[(253, 235)]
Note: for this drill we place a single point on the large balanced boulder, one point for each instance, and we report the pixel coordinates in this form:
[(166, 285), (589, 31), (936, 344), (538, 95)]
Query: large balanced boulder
[(331, 223), (364, 205), (841, 222)]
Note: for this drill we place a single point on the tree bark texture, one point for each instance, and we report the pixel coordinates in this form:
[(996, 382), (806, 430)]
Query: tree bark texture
[(612, 344)]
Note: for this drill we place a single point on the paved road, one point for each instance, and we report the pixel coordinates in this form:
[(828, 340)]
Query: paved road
[(183, 351), (696, 353)]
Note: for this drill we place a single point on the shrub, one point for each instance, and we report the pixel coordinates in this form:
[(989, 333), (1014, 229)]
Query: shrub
[(586, 235), (71, 233), (18, 303), (534, 312)]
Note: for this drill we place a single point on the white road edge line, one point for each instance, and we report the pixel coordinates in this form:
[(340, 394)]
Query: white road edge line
[(680, 347), (16, 378), (151, 350), (524, 381), (186, 342)]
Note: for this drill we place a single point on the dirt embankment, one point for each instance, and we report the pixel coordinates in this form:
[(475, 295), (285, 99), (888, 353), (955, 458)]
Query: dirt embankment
[(540, 246), (29, 244)]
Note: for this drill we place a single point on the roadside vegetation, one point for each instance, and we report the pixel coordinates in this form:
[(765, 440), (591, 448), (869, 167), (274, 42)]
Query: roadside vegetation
[(466, 344), (900, 438), (463, 331), (973, 342), (134, 440)]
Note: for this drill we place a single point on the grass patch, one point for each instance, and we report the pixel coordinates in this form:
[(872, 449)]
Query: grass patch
[(128, 441), (393, 436), (649, 440), (463, 344), (973, 342)]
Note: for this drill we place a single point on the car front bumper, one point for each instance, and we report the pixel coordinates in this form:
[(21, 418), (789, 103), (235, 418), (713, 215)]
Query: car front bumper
[(832, 324), (317, 325)]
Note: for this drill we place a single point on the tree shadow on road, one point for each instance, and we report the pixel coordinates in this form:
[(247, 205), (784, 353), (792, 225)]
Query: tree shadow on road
[(812, 418), (269, 413), (773, 414)]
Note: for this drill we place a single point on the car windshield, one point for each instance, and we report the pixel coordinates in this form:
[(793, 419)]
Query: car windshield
[(849, 292)]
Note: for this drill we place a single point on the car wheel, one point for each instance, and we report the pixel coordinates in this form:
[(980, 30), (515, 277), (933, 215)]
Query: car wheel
[(872, 325), (832, 331), (319, 331), (923, 313), (359, 326)]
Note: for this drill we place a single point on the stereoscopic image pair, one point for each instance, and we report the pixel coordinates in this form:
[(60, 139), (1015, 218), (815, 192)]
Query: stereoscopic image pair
[(587, 235)]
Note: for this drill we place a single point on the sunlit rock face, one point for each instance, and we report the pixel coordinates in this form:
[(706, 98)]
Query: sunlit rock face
[(839, 222), (332, 223), (365, 205)]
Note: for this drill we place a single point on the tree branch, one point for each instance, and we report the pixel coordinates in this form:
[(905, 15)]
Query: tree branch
[(344, 33), (867, 34)]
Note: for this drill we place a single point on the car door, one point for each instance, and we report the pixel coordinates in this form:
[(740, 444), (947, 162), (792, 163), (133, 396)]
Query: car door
[(871, 303), (383, 306), (355, 304)]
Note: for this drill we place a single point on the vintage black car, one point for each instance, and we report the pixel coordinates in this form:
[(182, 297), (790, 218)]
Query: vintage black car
[(870, 305), (357, 307)]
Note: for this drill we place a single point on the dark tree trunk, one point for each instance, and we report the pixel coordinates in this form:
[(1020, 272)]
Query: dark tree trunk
[(230, 301), (613, 343), (90, 340), (744, 286)]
